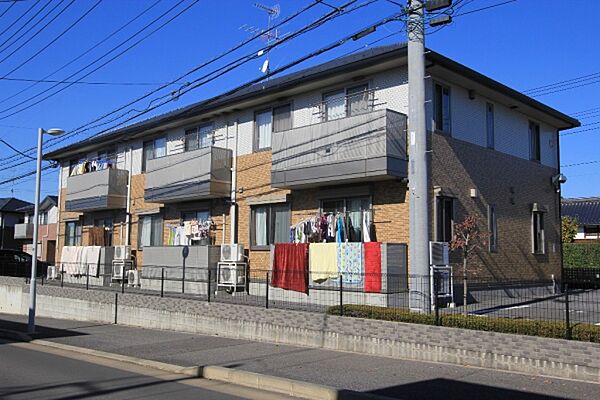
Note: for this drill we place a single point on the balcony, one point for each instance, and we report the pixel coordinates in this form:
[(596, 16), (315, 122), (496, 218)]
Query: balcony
[(24, 231), (199, 174), (98, 190), (359, 148)]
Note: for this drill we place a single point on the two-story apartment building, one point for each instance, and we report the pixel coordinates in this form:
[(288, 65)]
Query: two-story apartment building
[(326, 140), (48, 224)]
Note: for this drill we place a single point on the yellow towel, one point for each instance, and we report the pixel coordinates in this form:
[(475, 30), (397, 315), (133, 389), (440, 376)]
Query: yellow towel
[(323, 261)]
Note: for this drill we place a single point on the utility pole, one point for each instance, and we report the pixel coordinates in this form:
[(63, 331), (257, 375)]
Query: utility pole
[(418, 169)]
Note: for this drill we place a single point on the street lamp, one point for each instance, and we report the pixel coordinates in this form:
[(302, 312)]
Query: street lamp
[(38, 179)]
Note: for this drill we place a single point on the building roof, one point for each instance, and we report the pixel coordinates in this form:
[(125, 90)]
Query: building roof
[(45, 204), (586, 210), (11, 204), (339, 65)]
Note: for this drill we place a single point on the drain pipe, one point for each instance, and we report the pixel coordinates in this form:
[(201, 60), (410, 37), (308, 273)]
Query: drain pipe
[(232, 210), (128, 211)]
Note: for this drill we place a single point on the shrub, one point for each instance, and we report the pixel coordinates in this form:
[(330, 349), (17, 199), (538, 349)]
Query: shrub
[(549, 329), (581, 255)]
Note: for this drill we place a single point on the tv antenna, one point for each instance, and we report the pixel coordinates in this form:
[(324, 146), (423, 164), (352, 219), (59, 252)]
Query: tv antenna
[(267, 36)]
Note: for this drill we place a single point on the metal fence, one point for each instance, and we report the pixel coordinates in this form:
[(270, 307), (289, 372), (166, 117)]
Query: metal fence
[(499, 305)]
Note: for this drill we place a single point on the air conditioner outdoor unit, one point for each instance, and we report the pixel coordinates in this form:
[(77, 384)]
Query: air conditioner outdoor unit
[(231, 274), (117, 272), (232, 252), (133, 277), (439, 253), (122, 252), (52, 272)]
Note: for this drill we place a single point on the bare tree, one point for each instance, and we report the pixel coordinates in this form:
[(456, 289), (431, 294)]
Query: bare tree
[(468, 238)]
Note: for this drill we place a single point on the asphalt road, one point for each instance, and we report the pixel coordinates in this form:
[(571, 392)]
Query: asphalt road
[(32, 372)]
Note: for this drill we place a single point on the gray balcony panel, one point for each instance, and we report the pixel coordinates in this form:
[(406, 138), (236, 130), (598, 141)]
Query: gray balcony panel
[(365, 147), (98, 190), (24, 231), (199, 174)]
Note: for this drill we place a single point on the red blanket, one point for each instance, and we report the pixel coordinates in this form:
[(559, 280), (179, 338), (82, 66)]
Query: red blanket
[(290, 267), (372, 254)]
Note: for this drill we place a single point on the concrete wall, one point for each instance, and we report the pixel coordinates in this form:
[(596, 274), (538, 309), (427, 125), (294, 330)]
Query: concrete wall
[(527, 354)]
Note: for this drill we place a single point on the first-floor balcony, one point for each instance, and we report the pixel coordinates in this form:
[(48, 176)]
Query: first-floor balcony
[(97, 190), (364, 147), (192, 175)]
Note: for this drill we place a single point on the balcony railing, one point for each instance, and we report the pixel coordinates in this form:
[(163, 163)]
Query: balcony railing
[(97, 190), (199, 174), (363, 147), (24, 231)]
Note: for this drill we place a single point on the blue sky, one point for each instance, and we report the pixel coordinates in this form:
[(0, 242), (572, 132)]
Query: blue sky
[(524, 44)]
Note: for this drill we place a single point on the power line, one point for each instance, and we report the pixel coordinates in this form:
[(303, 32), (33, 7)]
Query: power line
[(211, 61), (580, 163), (18, 19), (93, 83), (103, 64), (16, 150), (93, 47), (4, 48), (46, 46), (8, 8), (322, 50)]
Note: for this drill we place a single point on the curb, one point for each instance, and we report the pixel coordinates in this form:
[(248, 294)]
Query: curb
[(249, 379), (15, 335)]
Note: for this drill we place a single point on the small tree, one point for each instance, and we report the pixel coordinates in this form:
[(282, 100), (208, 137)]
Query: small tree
[(467, 238), (569, 229)]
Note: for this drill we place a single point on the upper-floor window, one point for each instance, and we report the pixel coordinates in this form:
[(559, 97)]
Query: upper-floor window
[(197, 138), (489, 124), (276, 119), (109, 156), (347, 102), (154, 148), (43, 218), (537, 230), (534, 142), (441, 108)]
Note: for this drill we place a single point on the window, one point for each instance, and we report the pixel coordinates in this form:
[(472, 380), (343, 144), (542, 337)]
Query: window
[(199, 137), (73, 233), (445, 219), (534, 142), (353, 208), (489, 119), (107, 225), (270, 223), (537, 227), (264, 128), (591, 231), (493, 228), (155, 148), (108, 155), (150, 230), (347, 102), (441, 108), (282, 118), (43, 218), (358, 99)]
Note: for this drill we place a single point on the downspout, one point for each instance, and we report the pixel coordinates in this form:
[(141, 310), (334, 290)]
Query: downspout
[(2, 228), (128, 211), (59, 213), (560, 241), (232, 210)]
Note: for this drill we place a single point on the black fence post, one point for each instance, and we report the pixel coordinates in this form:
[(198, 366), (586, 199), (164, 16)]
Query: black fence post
[(208, 287), (87, 278), (567, 314), (62, 275), (116, 305), (162, 282), (267, 291), (341, 295), (435, 298)]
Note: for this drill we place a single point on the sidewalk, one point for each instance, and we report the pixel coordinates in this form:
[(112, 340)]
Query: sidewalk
[(383, 376)]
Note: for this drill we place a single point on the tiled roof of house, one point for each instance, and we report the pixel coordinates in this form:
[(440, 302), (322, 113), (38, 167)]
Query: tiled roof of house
[(585, 210)]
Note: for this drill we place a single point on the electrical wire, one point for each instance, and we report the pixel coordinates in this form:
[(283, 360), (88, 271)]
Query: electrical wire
[(8, 8), (18, 19), (91, 83), (3, 48)]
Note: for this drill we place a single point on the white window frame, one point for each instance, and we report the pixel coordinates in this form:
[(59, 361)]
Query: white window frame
[(441, 129), (541, 248)]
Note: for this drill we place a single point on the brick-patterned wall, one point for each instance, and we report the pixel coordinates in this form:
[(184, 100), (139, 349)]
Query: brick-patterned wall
[(512, 185)]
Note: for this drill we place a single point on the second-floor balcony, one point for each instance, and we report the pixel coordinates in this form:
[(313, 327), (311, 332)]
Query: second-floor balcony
[(364, 147), (198, 174), (24, 231), (97, 190)]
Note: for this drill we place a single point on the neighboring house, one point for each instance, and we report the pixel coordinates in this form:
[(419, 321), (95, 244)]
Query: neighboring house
[(10, 215), (47, 229), (329, 138), (586, 210)]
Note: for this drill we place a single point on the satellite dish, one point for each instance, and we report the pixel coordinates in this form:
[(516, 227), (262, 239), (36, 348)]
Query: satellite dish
[(265, 67)]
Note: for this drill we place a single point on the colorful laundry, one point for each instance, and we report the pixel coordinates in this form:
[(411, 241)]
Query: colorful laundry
[(350, 264), (323, 261), (290, 267), (372, 257)]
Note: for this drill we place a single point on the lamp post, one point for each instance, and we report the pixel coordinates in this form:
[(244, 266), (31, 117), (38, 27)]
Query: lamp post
[(38, 179)]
